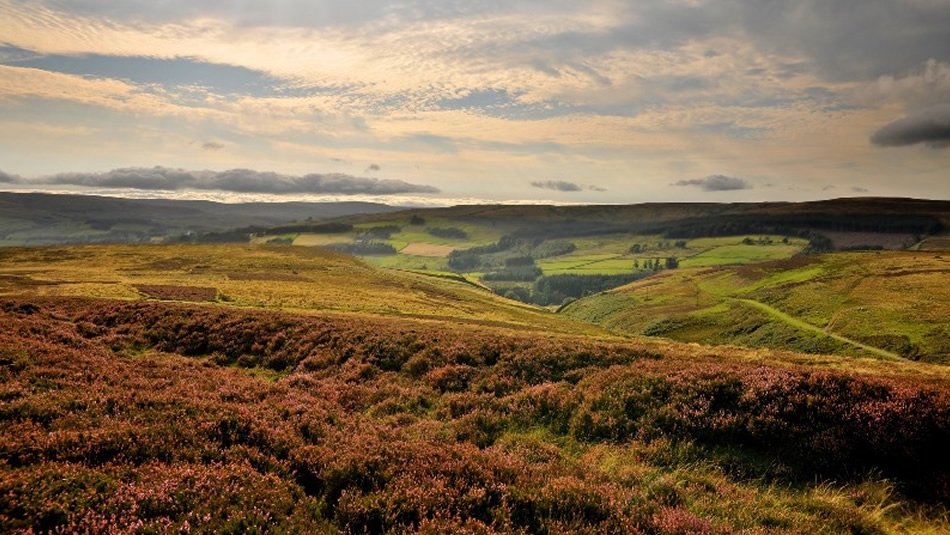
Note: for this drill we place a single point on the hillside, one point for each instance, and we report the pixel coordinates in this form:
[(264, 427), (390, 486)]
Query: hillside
[(550, 255), (168, 417), (885, 304), (57, 219), (267, 277)]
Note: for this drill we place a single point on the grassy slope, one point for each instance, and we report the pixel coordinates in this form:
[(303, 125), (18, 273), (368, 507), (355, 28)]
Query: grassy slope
[(849, 303), (294, 278)]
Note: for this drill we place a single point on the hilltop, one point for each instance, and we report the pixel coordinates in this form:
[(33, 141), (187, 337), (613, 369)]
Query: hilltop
[(265, 277)]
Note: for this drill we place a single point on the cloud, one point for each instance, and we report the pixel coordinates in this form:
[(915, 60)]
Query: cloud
[(372, 168), (212, 145), (563, 185), (8, 179), (557, 185), (716, 183), (238, 181), (859, 189), (930, 127), (925, 87)]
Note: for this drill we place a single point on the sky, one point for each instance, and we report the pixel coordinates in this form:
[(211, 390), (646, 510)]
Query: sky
[(446, 102)]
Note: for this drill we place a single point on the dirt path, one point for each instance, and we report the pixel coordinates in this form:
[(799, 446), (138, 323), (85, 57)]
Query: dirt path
[(799, 324)]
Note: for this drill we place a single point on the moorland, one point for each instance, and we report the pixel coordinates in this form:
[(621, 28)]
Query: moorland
[(764, 368)]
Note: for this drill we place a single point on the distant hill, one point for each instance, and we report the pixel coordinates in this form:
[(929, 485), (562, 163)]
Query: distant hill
[(53, 219), (836, 224)]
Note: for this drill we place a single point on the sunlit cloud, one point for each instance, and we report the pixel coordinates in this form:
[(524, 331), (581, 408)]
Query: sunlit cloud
[(462, 95)]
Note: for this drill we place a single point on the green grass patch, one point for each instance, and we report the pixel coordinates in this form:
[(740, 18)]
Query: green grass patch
[(727, 255)]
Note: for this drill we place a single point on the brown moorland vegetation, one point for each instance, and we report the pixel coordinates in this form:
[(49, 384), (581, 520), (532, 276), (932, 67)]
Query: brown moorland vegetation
[(130, 416)]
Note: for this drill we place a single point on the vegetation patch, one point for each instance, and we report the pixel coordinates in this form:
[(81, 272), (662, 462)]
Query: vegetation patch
[(433, 250), (267, 276), (387, 425), (178, 293), (832, 303)]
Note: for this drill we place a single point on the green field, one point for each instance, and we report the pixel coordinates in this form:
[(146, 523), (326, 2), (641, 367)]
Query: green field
[(600, 255), (862, 304), (730, 251)]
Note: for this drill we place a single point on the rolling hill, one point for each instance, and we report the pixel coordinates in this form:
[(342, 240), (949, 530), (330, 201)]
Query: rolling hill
[(265, 277), (58, 219), (886, 304)]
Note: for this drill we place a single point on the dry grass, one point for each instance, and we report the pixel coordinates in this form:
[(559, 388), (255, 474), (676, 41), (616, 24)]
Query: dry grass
[(178, 293), (427, 249), (298, 278)]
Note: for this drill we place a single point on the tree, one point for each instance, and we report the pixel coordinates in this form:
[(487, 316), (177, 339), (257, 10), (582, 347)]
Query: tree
[(672, 263)]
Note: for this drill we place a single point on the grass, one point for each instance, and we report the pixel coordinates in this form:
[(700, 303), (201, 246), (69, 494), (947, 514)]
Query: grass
[(272, 277), (879, 303), (725, 255), (607, 254)]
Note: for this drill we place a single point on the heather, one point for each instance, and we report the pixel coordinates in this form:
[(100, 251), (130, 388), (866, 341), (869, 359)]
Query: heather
[(155, 417)]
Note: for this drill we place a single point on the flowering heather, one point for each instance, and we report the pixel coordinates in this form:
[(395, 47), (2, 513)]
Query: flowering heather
[(153, 417)]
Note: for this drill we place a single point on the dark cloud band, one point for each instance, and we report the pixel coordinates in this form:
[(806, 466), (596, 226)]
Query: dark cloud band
[(930, 127), (716, 183), (236, 180), (563, 185)]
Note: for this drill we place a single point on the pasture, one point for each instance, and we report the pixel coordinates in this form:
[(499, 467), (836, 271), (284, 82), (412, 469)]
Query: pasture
[(897, 302)]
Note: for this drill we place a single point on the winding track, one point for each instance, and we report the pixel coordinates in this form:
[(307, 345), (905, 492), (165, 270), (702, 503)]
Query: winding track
[(799, 324)]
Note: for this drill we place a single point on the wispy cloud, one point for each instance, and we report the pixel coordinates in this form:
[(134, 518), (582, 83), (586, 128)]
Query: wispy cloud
[(468, 95), (372, 168), (9, 179), (716, 183), (236, 180)]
